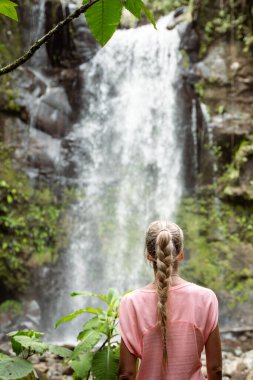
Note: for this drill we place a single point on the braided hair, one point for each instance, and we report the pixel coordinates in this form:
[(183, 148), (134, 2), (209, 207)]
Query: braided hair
[(164, 242)]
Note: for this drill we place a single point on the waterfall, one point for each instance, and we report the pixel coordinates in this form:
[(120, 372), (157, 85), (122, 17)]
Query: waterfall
[(129, 160)]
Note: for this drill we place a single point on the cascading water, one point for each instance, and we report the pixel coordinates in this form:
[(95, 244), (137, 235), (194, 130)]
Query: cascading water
[(130, 161)]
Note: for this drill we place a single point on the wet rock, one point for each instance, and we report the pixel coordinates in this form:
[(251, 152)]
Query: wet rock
[(53, 116), (30, 319), (68, 371), (33, 313), (74, 44), (42, 367), (85, 45), (214, 67)]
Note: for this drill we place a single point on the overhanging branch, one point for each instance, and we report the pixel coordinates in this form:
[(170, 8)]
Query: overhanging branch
[(29, 53)]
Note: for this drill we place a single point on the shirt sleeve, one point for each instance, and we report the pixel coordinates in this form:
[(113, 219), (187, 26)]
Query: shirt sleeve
[(212, 315), (129, 328)]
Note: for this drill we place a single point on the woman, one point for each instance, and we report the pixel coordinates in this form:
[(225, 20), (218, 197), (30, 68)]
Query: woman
[(168, 323)]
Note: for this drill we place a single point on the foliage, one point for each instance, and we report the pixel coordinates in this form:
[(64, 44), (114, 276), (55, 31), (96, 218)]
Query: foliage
[(231, 179), (29, 225), (230, 20), (11, 307), (219, 238), (103, 17), (24, 345), (87, 357), (7, 8), (162, 7), (101, 361)]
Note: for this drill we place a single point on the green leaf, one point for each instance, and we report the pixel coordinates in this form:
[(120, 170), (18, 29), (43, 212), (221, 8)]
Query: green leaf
[(89, 294), (70, 317), (7, 8), (94, 310), (93, 323), (31, 344), (89, 339), (30, 333), (60, 351), (112, 295), (14, 368), (134, 6), (103, 19), (148, 14), (83, 365), (105, 365)]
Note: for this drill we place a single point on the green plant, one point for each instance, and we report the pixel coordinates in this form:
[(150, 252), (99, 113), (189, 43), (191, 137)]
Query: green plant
[(97, 351), (26, 344), (30, 226), (218, 238), (230, 179), (12, 307)]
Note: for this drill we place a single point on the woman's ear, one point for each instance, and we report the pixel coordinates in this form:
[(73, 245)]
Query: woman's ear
[(150, 258), (181, 256)]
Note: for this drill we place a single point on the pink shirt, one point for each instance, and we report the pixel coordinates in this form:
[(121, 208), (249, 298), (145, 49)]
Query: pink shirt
[(192, 316)]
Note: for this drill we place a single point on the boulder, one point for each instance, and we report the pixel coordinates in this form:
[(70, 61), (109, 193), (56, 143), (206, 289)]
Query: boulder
[(53, 115)]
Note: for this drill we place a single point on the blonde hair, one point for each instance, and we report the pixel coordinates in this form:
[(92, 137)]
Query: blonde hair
[(164, 242)]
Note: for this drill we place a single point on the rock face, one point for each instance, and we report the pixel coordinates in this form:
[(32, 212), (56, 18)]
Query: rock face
[(45, 94)]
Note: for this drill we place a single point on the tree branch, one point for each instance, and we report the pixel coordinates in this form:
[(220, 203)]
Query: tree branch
[(29, 53)]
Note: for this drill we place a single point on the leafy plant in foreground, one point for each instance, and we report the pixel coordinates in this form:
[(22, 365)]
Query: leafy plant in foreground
[(25, 344), (97, 351)]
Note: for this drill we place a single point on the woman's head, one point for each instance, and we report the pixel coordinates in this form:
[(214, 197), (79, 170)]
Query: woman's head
[(165, 235), (164, 247)]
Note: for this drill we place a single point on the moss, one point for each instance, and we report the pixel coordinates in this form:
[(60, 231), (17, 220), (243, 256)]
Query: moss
[(231, 182), (163, 7), (200, 88), (185, 60), (30, 226), (11, 307), (217, 236)]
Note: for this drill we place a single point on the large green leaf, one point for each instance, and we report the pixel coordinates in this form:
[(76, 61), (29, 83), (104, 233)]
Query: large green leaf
[(30, 333), (83, 365), (105, 365), (60, 351), (16, 346), (148, 14), (70, 317), (103, 18), (32, 344), (14, 368), (89, 294), (108, 298), (7, 8), (93, 323), (89, 339), (134, 6)]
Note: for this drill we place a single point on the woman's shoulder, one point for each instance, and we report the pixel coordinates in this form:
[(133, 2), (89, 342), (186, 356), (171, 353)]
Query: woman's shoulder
[(140, 293), (200, 289), (200, 295)]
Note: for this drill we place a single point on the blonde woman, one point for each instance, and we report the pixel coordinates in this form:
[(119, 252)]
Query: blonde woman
[(168, 323)]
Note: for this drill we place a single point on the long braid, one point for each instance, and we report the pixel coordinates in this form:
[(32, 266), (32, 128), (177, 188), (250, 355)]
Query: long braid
[(164, 242), (164, 262)]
